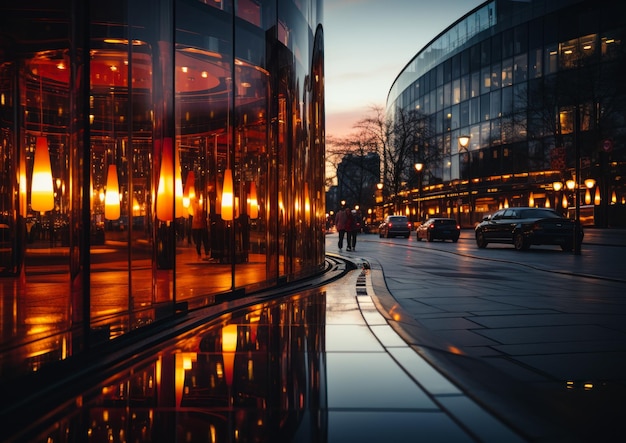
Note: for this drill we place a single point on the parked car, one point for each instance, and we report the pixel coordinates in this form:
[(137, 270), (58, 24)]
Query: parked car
[(395, 226), (439, 229), (523, 227)]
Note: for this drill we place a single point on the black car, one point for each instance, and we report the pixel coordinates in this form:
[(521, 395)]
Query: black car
[(395, 226), (439, 229), (523, 227)]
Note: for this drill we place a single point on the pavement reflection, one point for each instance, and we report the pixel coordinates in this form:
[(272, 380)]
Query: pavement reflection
[(321, 365)]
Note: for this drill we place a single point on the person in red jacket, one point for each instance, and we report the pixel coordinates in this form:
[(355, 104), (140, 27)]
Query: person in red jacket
[(341, 223)]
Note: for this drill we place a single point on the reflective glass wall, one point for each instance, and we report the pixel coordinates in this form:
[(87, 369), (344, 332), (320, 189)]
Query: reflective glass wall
[(537, 89), (156, 155)]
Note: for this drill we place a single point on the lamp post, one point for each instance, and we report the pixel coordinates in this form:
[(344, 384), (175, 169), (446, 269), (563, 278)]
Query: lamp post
[(557, 186), (464, 145), (574, 190), (379, 201), (418, 168)]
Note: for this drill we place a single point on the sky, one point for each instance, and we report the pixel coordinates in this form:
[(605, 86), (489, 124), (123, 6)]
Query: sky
[(366, 45)]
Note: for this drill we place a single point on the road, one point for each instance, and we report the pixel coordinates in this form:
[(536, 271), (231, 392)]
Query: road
[(554, 323)]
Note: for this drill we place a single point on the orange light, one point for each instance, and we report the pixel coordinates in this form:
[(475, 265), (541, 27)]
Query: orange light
[(253, 209), (112, 195), (165, 190), (227, 196), (41, 189), (229, 347)]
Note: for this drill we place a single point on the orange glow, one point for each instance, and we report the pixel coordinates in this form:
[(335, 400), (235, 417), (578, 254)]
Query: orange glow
[(112, 195), (253, 203), (165, 191), (41, 190), (229, 347), (227, 196), (455, 350), (179, 210)]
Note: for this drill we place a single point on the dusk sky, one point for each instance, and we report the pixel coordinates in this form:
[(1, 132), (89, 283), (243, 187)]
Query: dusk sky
[(368, 42)]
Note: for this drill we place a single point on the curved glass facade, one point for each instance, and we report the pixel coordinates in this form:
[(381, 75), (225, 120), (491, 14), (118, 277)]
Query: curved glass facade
[(537, 87), (156, 155)]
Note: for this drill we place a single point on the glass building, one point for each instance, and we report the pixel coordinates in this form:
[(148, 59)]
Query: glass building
[(536, 90), (157, 156)]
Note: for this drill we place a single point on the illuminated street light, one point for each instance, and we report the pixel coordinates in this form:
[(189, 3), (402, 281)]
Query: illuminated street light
[(464, 145), (418, 168)]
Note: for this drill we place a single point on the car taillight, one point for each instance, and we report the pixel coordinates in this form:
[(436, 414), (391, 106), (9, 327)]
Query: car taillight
[(431, 227), (458, 227), (409, 224)]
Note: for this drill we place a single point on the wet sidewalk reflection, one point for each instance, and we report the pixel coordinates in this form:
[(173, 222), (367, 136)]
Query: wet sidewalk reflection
[(317, 366)]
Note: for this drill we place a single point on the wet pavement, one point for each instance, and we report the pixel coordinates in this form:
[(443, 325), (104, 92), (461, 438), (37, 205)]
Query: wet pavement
[(537, 338), (348, 358), (320, 365)]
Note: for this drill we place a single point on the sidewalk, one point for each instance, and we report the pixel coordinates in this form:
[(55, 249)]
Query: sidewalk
[(400, 396), (524, 379)]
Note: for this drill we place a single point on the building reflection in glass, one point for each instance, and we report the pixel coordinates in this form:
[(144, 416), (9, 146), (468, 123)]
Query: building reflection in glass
[(255, 377), (119, 123)]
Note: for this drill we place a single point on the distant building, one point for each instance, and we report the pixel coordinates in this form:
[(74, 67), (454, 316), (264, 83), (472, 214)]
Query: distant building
[(357, 176), (538, 88)]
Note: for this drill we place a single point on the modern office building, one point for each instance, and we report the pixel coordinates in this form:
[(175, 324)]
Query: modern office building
[(536, 90), (157, 156)]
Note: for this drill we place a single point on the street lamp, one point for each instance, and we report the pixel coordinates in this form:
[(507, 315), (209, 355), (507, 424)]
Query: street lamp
[(464, 145), (418, 168), (379, 201), (574, 190)]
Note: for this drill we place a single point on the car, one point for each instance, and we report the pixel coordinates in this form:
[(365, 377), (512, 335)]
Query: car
[(395, 226), (439, 229), (526, 226)]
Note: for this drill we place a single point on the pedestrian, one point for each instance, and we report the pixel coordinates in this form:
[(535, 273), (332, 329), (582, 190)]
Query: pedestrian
[(340, 223), (349, 228), (355, 229), (200, 230)]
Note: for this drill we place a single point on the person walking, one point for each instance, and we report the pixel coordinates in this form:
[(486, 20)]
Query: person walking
[(355, 228), (199, 230), (341, 219), (349, 229)]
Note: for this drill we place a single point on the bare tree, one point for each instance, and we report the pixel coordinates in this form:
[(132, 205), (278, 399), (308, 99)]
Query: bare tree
[(399, 141)]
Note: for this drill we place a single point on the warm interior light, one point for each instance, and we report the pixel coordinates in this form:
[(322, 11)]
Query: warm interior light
[(227, 196), (571, 184), (587, 196), (179, 210), (253, 209), (564, 202), (165, 190), (41, 189), (597, 199), (557, 186), (189, 193), (531, 200), (590, 183), (307, 203), (112, 195)]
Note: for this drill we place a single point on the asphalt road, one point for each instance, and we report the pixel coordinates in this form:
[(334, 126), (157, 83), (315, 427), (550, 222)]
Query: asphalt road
[(542, 329)]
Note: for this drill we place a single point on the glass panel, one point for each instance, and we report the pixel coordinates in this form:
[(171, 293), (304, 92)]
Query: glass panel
[(206, 177)]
